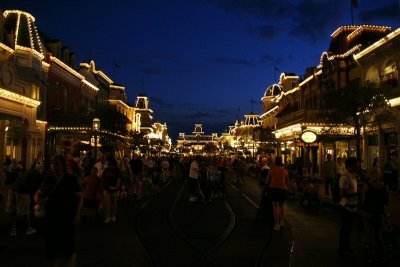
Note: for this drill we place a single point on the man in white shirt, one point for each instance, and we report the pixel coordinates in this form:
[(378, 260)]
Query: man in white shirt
[(101, 164), (193, 179), (164, 169), (348, 204)]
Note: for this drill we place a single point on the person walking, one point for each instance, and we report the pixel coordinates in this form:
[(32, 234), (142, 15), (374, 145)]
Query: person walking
[(329, 174), (193, 179), (348, 205), (88, 163), (375, 197), (62, 198), (164, 169), (388, 172), (278, 182), (101, 165), (91, 194), (240, 170), (111, 181), (126, 177), (137, 169), (19, 199)]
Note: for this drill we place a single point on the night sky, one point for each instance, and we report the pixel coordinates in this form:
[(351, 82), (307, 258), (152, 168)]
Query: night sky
[(200, 61)]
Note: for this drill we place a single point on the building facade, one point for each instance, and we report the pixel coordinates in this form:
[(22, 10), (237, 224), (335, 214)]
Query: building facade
[(23, 75), (356, 54), (48, 107), (198, 143)]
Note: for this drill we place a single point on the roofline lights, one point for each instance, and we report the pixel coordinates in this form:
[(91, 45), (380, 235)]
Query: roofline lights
[(19, 12), (30, 50), (343, 28), (5, 47), (269, 111), (378, 43), (121, 102), (117, 87), (90, 85), (99, 72), (19, 98), (362, 28), (66, 67)]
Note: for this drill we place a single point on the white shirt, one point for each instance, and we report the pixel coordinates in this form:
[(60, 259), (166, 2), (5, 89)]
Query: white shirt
[(100, 168), (348, 181), (194, 170)]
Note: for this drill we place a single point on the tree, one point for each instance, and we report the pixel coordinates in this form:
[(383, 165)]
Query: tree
[(210, 148), (137, 139), (266, 139), (111, 119), (357, 106)]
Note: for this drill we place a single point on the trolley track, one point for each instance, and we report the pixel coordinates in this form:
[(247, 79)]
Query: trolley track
[(171, 232)]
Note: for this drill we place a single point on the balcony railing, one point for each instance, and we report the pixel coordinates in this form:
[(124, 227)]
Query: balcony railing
[(291, 118)]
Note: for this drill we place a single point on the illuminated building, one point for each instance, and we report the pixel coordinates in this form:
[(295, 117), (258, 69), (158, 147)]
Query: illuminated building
[(364, 53), (47, 106), (197, 143), (22, 79), (244, 140)]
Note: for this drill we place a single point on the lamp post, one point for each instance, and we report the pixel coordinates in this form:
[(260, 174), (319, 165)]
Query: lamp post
[(95, 128)]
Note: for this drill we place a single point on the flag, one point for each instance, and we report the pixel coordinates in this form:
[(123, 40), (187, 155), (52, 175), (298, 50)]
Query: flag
[(354, 3), (276, 69), (116, 65)]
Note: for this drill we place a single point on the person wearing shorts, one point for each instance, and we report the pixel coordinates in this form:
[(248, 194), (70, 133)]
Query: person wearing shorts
[(277, 182)]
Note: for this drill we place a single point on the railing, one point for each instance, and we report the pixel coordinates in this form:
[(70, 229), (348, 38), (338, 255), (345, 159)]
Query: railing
[(292, 118)]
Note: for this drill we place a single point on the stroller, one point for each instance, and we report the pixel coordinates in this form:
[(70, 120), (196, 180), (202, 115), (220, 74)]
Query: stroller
[(265, 211)]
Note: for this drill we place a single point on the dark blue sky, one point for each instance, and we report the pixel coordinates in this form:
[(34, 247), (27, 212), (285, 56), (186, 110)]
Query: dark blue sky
[(201, 61)]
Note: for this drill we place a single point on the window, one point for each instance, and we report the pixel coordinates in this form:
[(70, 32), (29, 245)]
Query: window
[(390, 71)]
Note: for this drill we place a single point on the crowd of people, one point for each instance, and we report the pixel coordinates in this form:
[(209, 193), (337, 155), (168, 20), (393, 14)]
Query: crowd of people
[(89, 189), (72, 190), (362, 196)]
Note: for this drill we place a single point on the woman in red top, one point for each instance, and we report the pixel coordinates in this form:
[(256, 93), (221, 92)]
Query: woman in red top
[(91, 192), (277, 182)]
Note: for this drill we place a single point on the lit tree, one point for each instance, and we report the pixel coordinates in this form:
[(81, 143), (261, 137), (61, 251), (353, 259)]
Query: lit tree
[(357, 106)]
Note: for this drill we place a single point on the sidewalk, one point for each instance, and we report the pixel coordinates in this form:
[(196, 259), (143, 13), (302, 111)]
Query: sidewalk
[(313, 231)]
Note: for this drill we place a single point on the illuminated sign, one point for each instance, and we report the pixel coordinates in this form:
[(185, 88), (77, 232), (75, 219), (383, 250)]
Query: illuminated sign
[(308, 137)]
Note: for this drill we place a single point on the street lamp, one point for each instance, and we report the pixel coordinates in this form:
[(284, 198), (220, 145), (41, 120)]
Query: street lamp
[(95, 128)]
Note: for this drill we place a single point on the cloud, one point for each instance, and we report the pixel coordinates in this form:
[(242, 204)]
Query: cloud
[(313, 19), (200, 115), (224, 111), (306, 19), (262, 8), (232, 61), (270, 59), (161, 103), (386, 12), (216, 127), (268, 31), (153, 71)]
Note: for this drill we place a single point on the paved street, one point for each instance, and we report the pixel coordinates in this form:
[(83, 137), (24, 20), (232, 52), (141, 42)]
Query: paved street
[(167, 230)]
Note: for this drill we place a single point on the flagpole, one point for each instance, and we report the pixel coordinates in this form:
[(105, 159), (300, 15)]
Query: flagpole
[(352, 14)]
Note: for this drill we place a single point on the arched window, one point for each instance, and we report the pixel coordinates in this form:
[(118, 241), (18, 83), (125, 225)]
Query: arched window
[(372, 75)]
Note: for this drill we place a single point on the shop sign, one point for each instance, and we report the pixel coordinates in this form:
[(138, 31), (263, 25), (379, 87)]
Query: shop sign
[(308, 137)]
